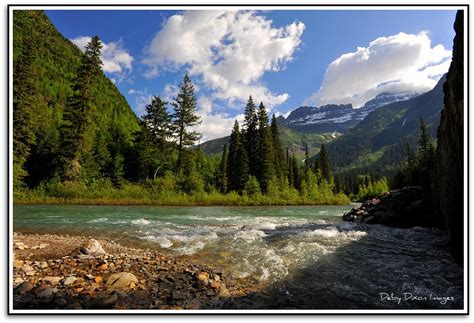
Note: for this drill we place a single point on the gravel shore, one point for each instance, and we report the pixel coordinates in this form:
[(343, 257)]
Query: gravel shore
[(78, 272)]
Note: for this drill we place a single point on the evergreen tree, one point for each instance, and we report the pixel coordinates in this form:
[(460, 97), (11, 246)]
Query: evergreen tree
[(24, 73), (296, 173), (278, 152), (291, 176), (425, 147), (223, 178), (77, 112), (250, 135), (324, 164), (265, 161), (161, 127), (184, 118), (144, 152), (237, 165), (306, 158)]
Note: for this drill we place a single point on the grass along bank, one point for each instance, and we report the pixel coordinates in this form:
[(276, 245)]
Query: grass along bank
[(153, 193)]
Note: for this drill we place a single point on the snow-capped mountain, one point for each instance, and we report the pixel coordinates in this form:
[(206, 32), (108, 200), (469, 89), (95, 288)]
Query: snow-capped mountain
[(332, 117)]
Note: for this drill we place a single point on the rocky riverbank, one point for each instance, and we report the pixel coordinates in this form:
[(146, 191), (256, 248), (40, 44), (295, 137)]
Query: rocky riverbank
[(77, 272), (403, 208)]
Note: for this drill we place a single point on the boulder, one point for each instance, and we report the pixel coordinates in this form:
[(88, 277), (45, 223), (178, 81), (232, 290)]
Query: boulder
[(121, 280), (401, 208), (89, 248)]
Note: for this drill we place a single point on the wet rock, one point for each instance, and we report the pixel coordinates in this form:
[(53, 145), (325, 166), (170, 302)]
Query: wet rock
[(23, 288), (105, 302), (401, 208), (121, 280)]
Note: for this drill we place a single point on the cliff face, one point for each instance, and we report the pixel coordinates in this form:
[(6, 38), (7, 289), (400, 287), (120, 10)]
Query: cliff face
[(448, 186)]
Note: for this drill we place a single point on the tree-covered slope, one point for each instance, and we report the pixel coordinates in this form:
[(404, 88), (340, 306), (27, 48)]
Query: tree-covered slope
[(382, 135), (55, 64), (291, 139)]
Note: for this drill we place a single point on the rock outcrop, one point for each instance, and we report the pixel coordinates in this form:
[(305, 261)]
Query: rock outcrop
[(449, 164), (402, 208)]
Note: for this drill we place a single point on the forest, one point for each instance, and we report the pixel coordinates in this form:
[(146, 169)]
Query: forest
[(76, 140)]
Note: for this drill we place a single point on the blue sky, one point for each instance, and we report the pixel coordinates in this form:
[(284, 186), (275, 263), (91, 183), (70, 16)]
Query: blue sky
[(284, 58)]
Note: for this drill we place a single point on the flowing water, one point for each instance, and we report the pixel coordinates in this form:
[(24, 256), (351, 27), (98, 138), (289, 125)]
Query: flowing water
[(297, 250)]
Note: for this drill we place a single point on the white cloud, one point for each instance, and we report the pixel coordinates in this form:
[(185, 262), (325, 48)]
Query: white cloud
[(131, 91), (115, 58), (214, 124), (229, 50), (398, 63)]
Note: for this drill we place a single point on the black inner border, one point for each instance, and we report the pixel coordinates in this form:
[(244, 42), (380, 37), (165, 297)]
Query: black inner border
[(304, 6)]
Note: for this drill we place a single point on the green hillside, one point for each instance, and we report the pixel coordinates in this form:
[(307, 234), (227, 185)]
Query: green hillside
[(55, 66), (379, 141), (293, 140)]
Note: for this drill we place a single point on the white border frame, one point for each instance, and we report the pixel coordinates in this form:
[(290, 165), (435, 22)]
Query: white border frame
[(314, 6)]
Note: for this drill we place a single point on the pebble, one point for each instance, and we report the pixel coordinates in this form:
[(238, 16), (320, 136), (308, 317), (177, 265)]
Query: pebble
[(69, 280), (52, 280)]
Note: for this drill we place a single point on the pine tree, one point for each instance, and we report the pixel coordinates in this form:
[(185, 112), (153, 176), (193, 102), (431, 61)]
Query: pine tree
[(160, 124), (296, 173), (237, 165), (425, 147), (223, 178), (77, 112), (144, 151), (307, 165), (24, 73), (291, 176), (324, 164), (184, 118), (250, 135), (265, 161), (278, 153)]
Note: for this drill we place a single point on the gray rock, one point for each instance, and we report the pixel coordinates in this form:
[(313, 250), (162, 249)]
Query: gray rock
[(178, 296), (23, 288), (47, 292), (105, 302)]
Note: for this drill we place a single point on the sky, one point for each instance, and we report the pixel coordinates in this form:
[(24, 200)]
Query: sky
[(284, 58)]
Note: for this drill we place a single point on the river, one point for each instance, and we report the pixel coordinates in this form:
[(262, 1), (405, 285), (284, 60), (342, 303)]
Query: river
[(297, 251)]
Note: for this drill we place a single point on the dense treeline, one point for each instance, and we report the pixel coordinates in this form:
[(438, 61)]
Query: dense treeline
[(47, 82), (256, 163), (76, 139)]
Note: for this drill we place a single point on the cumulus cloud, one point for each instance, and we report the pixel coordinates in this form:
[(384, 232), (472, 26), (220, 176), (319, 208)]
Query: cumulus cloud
[(115, 58), (398, 63), (229, 50), (214, 124)]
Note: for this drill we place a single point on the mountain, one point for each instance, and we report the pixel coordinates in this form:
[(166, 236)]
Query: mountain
[(381, 136), (290, 139), (55, 66), (340, 118)]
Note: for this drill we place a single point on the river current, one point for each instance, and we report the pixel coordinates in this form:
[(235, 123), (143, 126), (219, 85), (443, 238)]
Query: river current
[(295, 250)]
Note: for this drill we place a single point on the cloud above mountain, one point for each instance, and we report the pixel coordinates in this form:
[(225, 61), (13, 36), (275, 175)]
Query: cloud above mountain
[(116, 60), (229, 51), (398, 63)]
